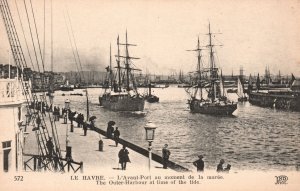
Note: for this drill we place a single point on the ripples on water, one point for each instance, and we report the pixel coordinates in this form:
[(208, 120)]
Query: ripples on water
[(253, 138)]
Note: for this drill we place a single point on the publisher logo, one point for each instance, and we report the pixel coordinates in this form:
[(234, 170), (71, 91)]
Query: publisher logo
[(282, 179)]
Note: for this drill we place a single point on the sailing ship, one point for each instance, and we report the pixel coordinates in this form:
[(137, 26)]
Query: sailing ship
[(122, 94), (215, 103), (240, 91)]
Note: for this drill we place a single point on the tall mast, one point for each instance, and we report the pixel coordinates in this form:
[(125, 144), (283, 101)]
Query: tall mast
[(127, 67), (199, 77), (51, 37), (127, 63), (51, 61), (110, 69), (118, 63), (212, 65), (199, 67)]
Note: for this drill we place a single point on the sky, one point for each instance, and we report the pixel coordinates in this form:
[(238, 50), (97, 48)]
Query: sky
[(253, 33)]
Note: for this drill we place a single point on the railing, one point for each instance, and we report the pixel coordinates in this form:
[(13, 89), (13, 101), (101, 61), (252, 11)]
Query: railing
[(10, 91), (55, 164)]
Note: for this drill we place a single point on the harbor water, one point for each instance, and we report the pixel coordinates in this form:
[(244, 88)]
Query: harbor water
[(254, 138)]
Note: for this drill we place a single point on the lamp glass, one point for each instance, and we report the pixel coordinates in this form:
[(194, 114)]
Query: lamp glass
[(150, 130), (149, 134)]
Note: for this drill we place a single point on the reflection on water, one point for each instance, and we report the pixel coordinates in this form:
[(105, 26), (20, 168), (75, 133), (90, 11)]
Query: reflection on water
[(253, 138)]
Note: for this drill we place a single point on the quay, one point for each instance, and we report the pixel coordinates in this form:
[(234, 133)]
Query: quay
[(85, 149)]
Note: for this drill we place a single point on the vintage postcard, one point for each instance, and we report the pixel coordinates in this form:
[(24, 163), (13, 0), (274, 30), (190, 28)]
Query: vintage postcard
[(149, 95)]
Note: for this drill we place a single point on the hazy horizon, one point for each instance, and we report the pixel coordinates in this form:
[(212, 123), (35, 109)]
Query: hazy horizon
[(255, 34)]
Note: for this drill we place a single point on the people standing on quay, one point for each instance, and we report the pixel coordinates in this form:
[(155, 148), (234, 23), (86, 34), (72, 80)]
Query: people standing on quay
[(55, 113), (199, 164), (38, 122), (81, 120), (92, 124), (58, 113), (116, 136), (165, 155), (123, 157), (220, 166), (85, 127), (227, 168), (50, 146), (77, 119), (110, 129)]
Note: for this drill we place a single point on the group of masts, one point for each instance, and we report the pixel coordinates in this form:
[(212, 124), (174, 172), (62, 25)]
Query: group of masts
[(213, 70), (127, 67)]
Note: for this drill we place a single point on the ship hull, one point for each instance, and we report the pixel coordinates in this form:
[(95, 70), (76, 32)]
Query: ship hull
[(122, 103), (196, 106), (278, 100)]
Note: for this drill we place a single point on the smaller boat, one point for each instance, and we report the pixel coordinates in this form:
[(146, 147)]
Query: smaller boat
[(241, 92), (150, 97), (67, 87)]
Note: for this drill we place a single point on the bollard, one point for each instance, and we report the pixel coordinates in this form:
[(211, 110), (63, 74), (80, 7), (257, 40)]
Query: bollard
[(100, 145)]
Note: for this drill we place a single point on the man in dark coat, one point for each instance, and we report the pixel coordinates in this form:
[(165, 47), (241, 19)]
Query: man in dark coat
[(116, 136), (165, 155), (123, 157), (39, 123), (81, 120), (199, 164), (227, 169), (50, 146), (220, 166), (85, 127), (109, 131), (58, 112)]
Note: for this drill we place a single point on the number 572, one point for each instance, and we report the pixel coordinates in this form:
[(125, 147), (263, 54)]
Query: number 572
[(18, 178)]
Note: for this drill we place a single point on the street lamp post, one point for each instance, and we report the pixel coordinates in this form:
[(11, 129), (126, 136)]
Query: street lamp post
[(68, 148), (150, 130)]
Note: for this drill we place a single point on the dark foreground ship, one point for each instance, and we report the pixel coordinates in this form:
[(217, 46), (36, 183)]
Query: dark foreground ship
[(117, 97), (215, 103)]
